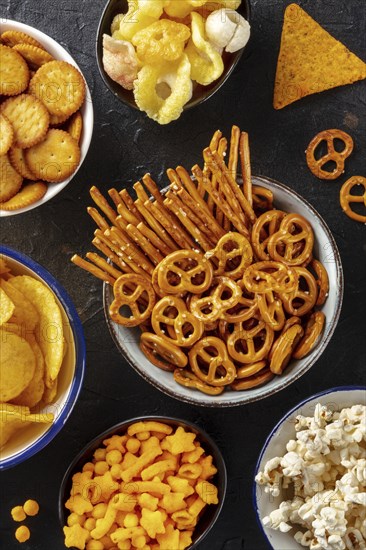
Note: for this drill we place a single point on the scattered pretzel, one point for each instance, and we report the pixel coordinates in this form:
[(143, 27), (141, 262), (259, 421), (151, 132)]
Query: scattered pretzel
[(123, 296), (212, 353), (316, 165), (347, 198), (225, 295), (172, 312), (187, 266), (269, 275), (233, 253), (293, 243)]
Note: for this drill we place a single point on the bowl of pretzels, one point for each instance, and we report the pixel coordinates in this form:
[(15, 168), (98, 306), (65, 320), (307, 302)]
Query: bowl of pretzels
[(221, 289)]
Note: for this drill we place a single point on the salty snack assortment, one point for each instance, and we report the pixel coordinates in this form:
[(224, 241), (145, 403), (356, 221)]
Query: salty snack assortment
[(324, 468), (32, 351), (39, 142), (162, 50), (224, 287), (145, 489)]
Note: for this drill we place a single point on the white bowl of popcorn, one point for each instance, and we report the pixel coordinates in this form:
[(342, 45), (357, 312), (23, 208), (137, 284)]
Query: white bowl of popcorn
[(310, 479)]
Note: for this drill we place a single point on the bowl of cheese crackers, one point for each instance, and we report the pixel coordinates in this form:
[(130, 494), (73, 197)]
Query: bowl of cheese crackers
[(148, 482), (42, 357), (46, 118)]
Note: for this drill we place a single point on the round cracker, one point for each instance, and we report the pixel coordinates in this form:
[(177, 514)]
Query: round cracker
[(34, 56), (29, 118), (14, 72), (6, 134), (57, 120), (11, 38), (75, 126), (17, 158), (55, 158), (17, 365), (60, 86), (29, 194), (10, 180)]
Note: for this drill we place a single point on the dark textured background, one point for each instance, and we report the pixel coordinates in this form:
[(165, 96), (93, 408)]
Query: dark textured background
[(125, 145)]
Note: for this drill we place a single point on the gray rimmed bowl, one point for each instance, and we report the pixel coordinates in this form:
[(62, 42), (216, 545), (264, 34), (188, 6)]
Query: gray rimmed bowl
[(200, 93), (325, 250), (210, 513)]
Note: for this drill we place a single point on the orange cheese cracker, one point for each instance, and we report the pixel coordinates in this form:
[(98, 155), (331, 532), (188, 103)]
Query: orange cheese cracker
[(311, 60)]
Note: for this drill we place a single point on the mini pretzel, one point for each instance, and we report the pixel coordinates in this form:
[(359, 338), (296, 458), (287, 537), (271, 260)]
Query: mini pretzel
[(316, 165), (233, 254), (212, 307), (193, 272), (300, 301), (266, 225), (264, 376), (250, 345), (314, 328), (172, 312), (262, 198), (245, 309), (190, 380), (346, 198), (271, 310), (293, 230), (135, 299), (322, 281), (210, 362), (161, 353), (285, 346), (249, 370), (269, 275)]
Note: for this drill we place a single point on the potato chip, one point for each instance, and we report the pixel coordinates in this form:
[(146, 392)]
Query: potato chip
[(14, 418), (33, 393), (24, 311), (50, 330), (311, 60), (6, 307), (50, 392), (17, 365)]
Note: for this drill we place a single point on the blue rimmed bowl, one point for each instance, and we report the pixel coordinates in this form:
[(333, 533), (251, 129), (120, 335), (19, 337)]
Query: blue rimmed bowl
[(210, 513), (335, 399), (30, 440)]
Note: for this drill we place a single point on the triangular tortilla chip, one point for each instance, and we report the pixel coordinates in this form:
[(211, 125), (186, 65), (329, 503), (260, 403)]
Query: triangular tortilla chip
[(311, 60)]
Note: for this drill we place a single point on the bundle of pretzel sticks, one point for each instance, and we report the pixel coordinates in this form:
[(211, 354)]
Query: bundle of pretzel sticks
[(223, 286)]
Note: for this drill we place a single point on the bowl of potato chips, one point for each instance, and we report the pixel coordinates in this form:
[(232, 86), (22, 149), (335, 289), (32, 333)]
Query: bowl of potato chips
[(46, 118), (166, 56), (42, 357), (148, 482)]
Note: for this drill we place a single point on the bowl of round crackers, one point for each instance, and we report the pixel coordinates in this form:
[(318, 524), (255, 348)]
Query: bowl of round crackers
[(42, 357), (46, 118)]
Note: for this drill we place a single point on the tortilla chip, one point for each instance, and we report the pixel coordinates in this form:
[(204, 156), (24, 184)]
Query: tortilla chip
[(311, 60)]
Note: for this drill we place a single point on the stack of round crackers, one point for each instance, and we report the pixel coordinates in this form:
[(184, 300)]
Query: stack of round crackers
[(40, 120)]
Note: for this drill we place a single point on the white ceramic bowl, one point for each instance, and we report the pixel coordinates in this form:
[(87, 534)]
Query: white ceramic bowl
[(275, 445), (58, 52), (325, 249), (30, 440)]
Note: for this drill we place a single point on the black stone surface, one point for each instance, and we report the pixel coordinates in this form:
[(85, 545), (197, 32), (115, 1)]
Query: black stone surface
[(125, 145)]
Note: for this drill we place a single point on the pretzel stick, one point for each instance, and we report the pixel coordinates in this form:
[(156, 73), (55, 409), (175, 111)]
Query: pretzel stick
[(234, 151), (192, 215), (171, 223), (152, 252), (102, 203), (221, 219), (130, 205), (116, 248), (200, 239), (153, 237), (220, 201), (156, 226), (115, 196), (131, 250), (98, 218), (111, 255), (104, 265), (140, 191), (185, 179), (245, 167), (126, 214), (91, 268), (153, 188), (240, 197)]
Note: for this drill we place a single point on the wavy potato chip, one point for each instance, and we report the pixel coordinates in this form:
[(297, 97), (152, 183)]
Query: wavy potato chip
[(33, 393), (17, 365), (15, 417), (24, 312), (50, 329), (6, 307)]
